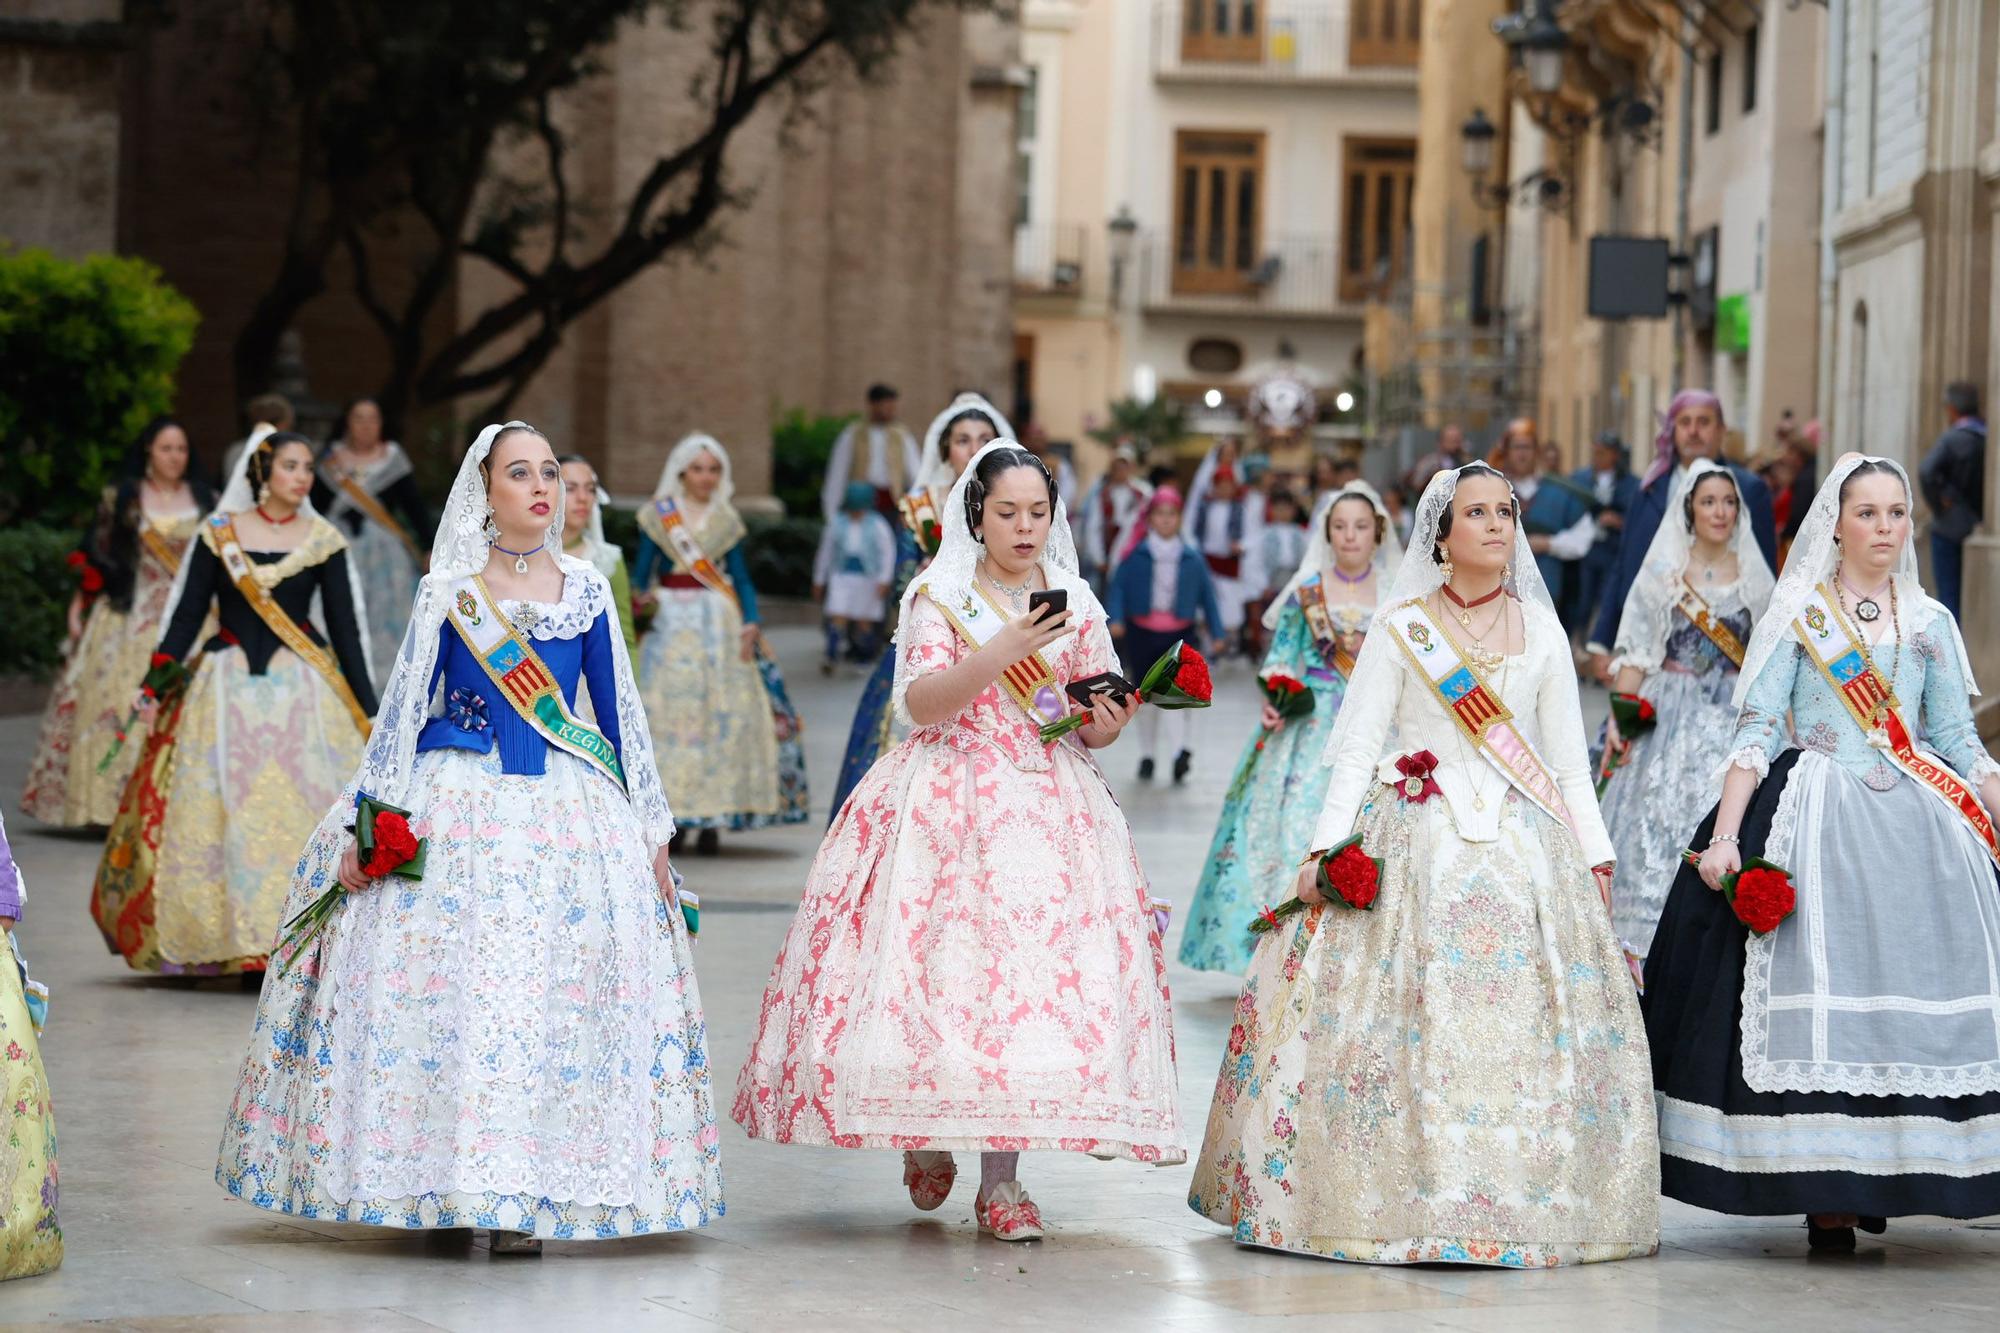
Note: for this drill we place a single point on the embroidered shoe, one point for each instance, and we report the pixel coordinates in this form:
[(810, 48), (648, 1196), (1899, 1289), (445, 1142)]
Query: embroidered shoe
[(928, 1177), (1008, 1213)]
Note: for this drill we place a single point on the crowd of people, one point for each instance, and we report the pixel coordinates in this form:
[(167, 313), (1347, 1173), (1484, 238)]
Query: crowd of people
[(399, 771)]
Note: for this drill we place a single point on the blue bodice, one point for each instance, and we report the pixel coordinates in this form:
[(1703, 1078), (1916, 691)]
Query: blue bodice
[(477, 717)]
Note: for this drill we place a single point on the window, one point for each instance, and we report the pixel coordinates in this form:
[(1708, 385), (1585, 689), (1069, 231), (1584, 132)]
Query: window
[(1714, 93), (1218, 200), (1750, 70), (1222, 30), (1384, 32), (1026, 108), (1215, 356), (1377, 181)]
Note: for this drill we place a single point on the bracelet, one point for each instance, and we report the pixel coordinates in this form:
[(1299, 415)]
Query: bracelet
[(1729, 838)]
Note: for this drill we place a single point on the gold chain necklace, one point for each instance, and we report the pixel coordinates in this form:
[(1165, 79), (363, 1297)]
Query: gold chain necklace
[(1878, 735)]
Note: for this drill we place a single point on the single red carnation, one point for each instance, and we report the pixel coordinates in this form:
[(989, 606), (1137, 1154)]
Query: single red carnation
[(394, 844), (1192, 676), (1763, 899), (162, 659), (92, 580), (75, 560), (1646, 713), (1352, 874)]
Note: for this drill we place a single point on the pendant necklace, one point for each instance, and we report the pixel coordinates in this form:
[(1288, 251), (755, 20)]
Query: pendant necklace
[(1462, 609), (520, 557), (1866, 609), (1484, 660), (1015, 596), (1878, 733)]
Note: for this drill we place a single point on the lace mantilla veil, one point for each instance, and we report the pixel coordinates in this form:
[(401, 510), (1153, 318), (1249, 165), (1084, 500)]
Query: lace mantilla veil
[(952, 572), (669, 485), (934, 471), (1811, 563), (1647, 620), (459, 551), (1319, 551), (237, 497), (1418, 576)]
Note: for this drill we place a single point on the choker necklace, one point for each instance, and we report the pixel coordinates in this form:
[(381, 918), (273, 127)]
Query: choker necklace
[(1362, 577), (1865, 608), (1462, 609), (520, 557), (1013, 595), (280, 522)]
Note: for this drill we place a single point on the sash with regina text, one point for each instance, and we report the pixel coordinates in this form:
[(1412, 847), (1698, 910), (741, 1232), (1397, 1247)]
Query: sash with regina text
[(525, 681), (1695, 608), (1872, 703), (1477, 711), (1031, 681), (242, 571)]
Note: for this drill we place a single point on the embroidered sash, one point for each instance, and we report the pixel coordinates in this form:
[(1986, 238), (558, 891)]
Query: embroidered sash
[(242, 572), (525, 681), (1031, 681), (1872, 703), (1695, 608), (682, 544), (160, 548), (920, 515), (363, 499), (1480, 715), (1319, 623)]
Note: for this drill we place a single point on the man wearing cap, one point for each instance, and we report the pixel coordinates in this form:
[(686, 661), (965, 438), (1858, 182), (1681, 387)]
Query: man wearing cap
[(876, 450), (1109, 510)]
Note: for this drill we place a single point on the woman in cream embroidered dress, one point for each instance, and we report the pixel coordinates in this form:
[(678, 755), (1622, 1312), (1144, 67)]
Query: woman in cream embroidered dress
[(725, 732), (31, 1240), (1274, 799), (133, 547), (1667, 777), (973, 967), (194, 871), (1846, 1065), (385, 563), (968, 425), (514, 1042), (1459, 1074)]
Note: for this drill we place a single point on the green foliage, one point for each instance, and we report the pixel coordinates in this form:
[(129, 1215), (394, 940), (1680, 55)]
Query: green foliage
[(780, 552), (801, 444), (1156, 425), (88, 354), (35, 588)]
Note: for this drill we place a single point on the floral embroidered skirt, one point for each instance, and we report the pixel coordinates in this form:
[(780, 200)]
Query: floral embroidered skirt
[(1266, 826), (30, 1240), (229, 784), (1458, 1075), (515, 1041), (972, 967)]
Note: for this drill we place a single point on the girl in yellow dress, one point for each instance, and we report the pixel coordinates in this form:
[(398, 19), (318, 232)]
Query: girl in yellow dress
[(30, 1240)]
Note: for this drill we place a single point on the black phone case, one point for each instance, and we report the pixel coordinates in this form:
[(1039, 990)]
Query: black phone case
[(1081, 691)]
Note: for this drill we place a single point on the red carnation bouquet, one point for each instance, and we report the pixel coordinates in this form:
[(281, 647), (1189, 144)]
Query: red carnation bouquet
[(1347, 873), (1178, 680), (1761, 893), (166, 677), (89, 578), (384, 845), (1290, 698), (929, 537), (1635, 717)]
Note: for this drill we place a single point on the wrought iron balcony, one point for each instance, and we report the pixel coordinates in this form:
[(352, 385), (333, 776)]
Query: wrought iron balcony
[(1256, 40), (1049, 258)]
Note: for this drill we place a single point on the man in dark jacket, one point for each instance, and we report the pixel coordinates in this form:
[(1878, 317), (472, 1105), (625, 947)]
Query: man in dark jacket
[(1691, 429), (1953, 477), (1610, 482)]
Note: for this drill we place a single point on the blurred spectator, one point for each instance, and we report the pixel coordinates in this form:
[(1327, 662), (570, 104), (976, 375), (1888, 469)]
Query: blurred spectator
[(1612, 489), (1953, 477), (1450, 452)]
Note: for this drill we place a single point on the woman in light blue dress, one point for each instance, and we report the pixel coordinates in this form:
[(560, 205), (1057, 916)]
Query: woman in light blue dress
[(1280, 782)]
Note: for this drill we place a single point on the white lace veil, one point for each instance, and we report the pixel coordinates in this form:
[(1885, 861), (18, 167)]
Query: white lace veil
[(1811, 562), (953, 570), (1419, 575), (237, 497), (1648, 617), (460, 549), (669, 486), (934, 471), (1318, 558)]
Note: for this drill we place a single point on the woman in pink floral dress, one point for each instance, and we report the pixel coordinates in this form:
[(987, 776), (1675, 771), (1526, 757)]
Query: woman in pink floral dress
[(973, 966)]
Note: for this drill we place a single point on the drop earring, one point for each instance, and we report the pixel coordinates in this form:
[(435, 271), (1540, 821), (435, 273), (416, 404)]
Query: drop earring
[(492, 529), (1444, 563)]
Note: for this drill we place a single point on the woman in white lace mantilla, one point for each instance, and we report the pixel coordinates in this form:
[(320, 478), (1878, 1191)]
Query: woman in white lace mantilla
[(1680, 646), (1458, 1074), (514, 1041), (1846, 1063), (973, 966)]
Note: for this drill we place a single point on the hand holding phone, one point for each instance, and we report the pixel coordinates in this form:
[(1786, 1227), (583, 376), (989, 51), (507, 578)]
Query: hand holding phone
[(1047, 603)]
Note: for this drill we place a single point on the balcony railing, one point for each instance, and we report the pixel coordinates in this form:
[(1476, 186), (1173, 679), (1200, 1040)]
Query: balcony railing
[(1292, 275), (1260, 41), (1048, 258)]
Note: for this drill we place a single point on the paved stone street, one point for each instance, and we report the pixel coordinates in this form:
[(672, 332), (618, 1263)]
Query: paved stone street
[(817, 1239)]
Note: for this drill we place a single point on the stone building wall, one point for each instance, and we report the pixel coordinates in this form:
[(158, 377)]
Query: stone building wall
[(59, 124)]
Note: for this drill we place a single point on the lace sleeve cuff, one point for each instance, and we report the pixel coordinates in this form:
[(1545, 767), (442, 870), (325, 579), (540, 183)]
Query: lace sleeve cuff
[(1751, 757), (1982, 768)]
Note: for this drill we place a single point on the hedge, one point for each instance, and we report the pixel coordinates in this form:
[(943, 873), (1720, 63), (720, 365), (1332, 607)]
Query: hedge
[(36, 583)]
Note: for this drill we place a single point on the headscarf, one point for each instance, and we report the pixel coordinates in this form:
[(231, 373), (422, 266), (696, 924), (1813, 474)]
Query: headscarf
[(1663, 443), (669, 486), (933, 470), (1166, 493), (1318, 556)]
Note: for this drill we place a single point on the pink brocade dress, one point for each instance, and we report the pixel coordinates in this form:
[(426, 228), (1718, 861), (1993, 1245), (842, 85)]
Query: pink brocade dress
[(973, 966)]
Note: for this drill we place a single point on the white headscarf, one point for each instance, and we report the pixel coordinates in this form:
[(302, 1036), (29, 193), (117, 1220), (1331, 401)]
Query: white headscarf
[(1319, 548), (460, 549), (935, 470), (1647, 620), (1811, 563), (237, 497), (954, 570), (1419, 575), (678, 458)]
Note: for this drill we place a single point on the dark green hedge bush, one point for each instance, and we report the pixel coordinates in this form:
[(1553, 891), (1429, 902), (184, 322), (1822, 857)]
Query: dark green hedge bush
[(35, 588)]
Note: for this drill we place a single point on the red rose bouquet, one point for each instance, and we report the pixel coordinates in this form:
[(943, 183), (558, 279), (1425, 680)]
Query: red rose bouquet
[(384, 845), (1347, 873), (1635, 717), (1761, 893), (165, 677)]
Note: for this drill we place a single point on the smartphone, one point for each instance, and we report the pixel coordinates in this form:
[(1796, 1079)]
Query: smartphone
[(1056, 599), (1089, 690)]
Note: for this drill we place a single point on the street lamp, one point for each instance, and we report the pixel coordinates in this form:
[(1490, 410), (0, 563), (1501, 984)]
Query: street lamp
[(1476, 138), (1543, 46), (1124, 235)]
